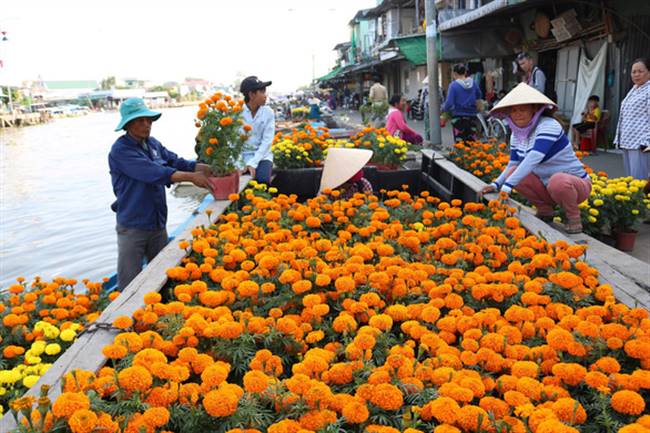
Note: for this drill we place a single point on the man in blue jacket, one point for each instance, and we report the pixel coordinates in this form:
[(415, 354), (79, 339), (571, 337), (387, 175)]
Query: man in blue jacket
[(140, 169)]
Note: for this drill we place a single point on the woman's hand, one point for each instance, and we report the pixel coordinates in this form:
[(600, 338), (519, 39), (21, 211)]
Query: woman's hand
[(488, 189)]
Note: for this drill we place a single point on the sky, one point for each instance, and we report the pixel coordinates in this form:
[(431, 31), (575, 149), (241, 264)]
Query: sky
[(286, 41)]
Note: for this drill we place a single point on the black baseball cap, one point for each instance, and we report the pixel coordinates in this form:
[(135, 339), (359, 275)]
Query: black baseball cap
[(252, 83)]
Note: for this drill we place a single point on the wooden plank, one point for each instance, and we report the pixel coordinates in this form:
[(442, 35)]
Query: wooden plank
[(636, 269), (86, 352)]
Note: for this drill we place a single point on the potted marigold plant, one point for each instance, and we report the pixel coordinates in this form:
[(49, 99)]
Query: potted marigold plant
[(220, 142), (620, 202)]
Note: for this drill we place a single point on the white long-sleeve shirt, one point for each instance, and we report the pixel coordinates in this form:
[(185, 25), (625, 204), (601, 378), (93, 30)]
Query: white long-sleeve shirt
[(633, 129), (260, 137)]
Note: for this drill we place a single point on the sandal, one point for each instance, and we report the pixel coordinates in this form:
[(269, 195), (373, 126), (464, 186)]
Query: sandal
[(572, 227)]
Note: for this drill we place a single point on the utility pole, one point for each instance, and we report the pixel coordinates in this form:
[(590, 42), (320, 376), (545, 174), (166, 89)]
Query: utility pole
[(431, 15)]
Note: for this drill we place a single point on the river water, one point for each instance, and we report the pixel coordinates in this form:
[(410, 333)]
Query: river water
[(55, 194)]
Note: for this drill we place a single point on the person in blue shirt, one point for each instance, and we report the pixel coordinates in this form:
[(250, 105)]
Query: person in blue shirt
[(314, 109), (257, 157), (461, 103), (140, 168)]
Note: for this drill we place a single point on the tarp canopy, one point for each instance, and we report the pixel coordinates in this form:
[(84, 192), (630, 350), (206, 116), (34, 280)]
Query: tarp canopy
[(331, 74), (414, 48)]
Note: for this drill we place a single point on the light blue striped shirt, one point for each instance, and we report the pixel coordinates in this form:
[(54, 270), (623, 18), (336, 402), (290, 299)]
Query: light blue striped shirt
[(547, 151), (258, 145)]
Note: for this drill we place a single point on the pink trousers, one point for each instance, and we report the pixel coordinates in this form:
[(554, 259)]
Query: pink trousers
[(563, 189)]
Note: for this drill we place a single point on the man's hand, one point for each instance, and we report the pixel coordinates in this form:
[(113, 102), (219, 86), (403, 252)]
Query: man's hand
[(203, 168), (199, 179), (250, 170)]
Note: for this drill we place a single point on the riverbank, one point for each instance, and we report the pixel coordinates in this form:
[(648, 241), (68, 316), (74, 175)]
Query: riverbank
[(56, 193)]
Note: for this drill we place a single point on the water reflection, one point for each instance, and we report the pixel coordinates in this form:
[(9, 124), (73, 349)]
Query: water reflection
[(55, 193)]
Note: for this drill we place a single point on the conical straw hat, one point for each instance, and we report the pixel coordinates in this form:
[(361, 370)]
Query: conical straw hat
[(341, 164), (521, 95)]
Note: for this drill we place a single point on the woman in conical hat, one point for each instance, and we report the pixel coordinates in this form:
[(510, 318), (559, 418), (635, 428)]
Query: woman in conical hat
[(343, 170), (543, 166)]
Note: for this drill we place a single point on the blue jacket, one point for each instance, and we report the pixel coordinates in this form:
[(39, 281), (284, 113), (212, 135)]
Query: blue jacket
[(461, 98), (139, 178)]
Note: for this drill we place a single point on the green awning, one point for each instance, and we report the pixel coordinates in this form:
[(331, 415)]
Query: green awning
[(330, 74), (414, 48)]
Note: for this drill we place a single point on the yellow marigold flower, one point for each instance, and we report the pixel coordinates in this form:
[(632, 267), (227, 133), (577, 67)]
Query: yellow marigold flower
[(67, 335), (29, 381)]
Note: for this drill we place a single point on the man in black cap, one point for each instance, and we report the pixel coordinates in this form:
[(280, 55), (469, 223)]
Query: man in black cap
[(258, 156)]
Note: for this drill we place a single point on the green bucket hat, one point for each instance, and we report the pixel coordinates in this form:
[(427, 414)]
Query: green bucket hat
[(133, 108)]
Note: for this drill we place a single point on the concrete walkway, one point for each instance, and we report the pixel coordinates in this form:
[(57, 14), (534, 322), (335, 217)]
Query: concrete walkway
[(611, 162)]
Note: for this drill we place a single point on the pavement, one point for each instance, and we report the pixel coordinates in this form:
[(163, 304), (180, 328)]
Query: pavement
[(611, 162)]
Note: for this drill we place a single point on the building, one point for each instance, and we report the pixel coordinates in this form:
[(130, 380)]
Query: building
[(583, 46), (386, 41)]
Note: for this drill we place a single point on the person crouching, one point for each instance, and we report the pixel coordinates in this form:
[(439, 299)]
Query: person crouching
[(543, 166), (343, 171)]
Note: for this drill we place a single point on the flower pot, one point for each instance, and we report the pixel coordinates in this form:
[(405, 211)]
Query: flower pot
[(304, 182), (382, 166), (625, 240), (222, 186)]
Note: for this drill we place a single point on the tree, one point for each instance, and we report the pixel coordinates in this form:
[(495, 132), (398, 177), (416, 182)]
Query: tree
[(108, 83)]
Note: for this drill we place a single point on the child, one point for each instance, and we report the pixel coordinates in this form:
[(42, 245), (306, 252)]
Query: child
[(589, 118)]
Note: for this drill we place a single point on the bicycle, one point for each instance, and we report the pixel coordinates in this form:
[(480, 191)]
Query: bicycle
[(492, 127)]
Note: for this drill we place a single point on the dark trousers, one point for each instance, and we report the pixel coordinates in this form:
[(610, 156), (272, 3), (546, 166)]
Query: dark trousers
[(583, 127), (133, 246), (263, 171), (465, 128)]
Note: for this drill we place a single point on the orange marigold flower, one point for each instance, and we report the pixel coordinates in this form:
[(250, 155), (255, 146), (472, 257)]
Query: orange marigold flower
[(473, 418), (628, 402), (525, 369), (256, 381), (444, 409), (156, 416), (68, 403), (152, 298), (569, 411), (135, 378), (570, 373), (82, 421), (387, 397), (215, 374), (356, 412), (220, 403), (123, 322)]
